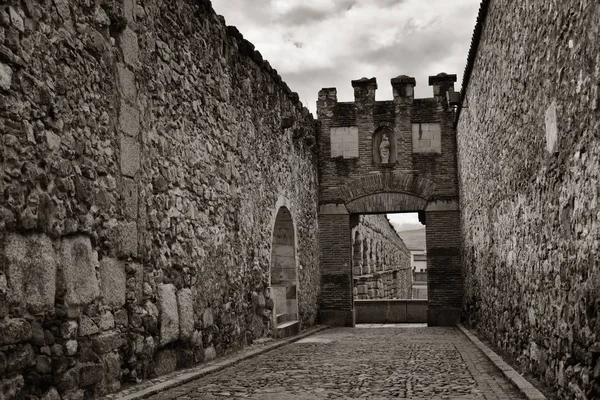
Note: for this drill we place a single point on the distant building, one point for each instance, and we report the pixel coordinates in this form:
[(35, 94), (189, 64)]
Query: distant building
[(415, 241), (419, 266), (418, 260)]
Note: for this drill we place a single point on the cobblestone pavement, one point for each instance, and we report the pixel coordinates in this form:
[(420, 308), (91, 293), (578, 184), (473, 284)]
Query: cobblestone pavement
[(347, 363)]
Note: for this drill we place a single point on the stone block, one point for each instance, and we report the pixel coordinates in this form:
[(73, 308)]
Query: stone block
[(128, 240), (5, 76), (426, 138), (79, 265), (71, 347), (551, 128), (14, 331), (129, 120), (129, 194), (112, 282), (169, 316), (90, 374), (130, 155), (43, 365), (37, 334), (19, 358), (121, 318), (210, 354), (138, 274), (31, 267), (10, 388), (69, 380), (129, 46), (78, 394), (197, 339), (165, 362), (62, 6), (185, 305), (207, 317), (126, 79), (344, 141), (51, 394), (112, 366), (129, 10), (185, 357), (16, 19), (68, 330), (107, 342), (107, 321)]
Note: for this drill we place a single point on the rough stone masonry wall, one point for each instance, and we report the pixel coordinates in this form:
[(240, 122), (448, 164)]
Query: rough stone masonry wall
[(381, 261), (143, 150), (529, 198)]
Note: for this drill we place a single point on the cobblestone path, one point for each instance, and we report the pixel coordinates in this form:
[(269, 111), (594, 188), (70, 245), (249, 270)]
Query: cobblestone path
[(373, 363)]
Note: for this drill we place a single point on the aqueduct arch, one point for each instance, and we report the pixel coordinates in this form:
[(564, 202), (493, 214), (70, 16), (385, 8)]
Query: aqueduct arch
[(421, 177)]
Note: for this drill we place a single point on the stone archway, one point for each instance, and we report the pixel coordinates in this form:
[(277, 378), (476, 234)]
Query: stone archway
[(389, 193), (284, 274)]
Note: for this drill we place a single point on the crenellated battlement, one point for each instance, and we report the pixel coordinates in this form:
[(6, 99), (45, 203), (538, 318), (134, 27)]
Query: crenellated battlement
[(366, 136), (403, 87)]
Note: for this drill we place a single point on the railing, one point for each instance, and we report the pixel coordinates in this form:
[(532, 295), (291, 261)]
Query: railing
[(390, 311)]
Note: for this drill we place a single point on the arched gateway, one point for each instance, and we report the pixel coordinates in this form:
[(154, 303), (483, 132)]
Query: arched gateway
[(284, 274), (420, 176)]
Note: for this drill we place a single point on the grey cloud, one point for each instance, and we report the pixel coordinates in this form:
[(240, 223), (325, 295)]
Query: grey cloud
[(388, 3), (402, 52), (345, 5), (303, 15), (308, 83), (417, 50)]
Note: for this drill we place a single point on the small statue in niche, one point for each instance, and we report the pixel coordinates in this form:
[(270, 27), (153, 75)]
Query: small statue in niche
[(384, 149)]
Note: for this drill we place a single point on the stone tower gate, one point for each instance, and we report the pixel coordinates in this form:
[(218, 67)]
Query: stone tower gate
[(386, 157)]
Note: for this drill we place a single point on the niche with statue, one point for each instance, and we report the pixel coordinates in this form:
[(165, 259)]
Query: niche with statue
[(384, 147)]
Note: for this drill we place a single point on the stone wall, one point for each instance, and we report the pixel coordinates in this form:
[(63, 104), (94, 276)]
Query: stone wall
[(529, 161), (144, 150), (381, 261)]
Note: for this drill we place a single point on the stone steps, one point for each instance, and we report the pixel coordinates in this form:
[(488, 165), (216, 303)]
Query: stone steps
[(287, 329), (285, 317)]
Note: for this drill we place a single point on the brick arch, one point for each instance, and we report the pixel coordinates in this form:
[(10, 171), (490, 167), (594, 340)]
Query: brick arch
[(387, 192)]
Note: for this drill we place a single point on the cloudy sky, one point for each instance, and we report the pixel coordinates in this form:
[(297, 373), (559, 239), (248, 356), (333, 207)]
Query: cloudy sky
[(327, 43)]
